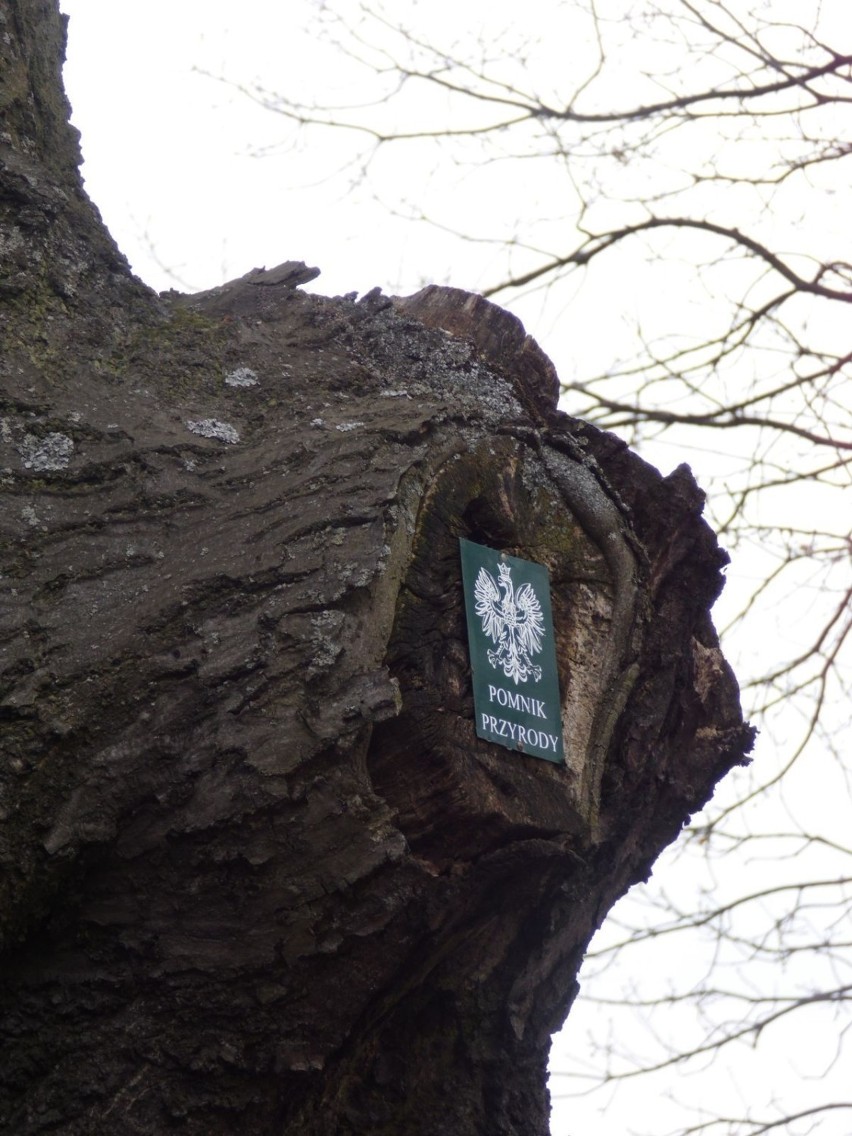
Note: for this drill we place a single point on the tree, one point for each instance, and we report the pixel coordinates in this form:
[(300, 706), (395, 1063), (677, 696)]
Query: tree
[(259, 874), (695, 152)]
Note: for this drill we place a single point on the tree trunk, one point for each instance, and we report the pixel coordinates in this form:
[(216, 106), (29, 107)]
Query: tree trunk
[(259, 875)]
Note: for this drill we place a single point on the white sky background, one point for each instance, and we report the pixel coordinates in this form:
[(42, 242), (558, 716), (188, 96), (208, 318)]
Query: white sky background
[(171, 160), (171, 154)]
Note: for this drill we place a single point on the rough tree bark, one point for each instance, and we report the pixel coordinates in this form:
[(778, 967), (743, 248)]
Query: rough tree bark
[(258, 873)]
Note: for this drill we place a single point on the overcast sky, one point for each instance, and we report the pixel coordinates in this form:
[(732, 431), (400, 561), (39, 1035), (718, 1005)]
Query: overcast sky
[(197, 183)]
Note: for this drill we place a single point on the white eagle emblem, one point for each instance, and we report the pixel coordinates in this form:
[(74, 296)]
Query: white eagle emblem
[(513, 620)]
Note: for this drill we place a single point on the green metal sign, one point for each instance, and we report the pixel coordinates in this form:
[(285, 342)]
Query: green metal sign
[(512, 652)]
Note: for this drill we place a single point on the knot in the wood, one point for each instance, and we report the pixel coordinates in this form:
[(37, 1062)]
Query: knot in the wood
[(498, 335)]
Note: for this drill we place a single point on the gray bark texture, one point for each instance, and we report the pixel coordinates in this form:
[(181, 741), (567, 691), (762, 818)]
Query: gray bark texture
[(257, 873)]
